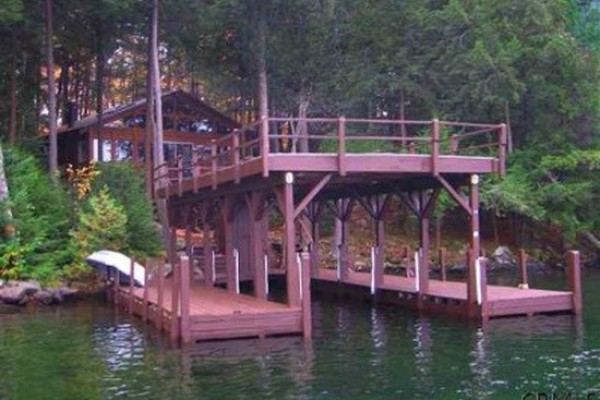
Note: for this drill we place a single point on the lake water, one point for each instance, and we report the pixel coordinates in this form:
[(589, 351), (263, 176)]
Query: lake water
[(85, 350)]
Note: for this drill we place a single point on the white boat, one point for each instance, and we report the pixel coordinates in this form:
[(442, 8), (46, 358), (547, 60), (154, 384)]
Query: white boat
[(111, 263)]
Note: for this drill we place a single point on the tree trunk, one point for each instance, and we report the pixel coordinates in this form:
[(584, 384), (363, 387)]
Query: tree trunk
[(8, 228), (99, 88), (161, 204), (12, 130), (149, 132), (261, 59), (52, 124), (302, 129)]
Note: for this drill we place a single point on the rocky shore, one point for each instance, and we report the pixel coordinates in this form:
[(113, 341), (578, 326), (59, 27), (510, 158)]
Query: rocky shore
[(25, 292)]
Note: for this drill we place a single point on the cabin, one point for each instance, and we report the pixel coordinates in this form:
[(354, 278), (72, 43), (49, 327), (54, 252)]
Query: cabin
[(189, 127)]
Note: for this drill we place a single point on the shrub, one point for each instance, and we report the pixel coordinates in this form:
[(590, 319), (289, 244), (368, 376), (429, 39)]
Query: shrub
[(126, 185), (42, 217)]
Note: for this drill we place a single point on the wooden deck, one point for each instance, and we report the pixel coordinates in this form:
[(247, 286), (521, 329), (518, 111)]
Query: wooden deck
[(216, 313), (500, 301), (256, 153)]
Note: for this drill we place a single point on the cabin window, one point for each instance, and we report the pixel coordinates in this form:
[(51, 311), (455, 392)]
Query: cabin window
[(124, 150)]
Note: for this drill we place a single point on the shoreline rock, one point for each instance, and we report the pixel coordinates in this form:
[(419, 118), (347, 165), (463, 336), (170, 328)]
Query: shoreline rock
[(21, 293)]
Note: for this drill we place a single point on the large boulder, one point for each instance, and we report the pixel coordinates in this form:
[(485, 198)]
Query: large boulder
[(502, 257), (18, 292), (23, 292)]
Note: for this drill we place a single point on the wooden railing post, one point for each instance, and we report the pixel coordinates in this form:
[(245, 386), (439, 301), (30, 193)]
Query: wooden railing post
[(131, 285), (454, 144), (306, 296), (264, 138), (523, 269), (435, 146), (213, 163), (342, 145), (184, 270), (502, 150), (574, 275), (236, 155)]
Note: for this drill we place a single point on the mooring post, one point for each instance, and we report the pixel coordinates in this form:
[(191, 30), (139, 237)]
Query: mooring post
[(523, 268), (306, 296), (574, 275), (471, 284), (131, 283), (185, 327), (482, 288)]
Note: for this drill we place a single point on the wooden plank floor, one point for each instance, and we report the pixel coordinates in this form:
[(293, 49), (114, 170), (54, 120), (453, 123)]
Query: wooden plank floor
[(502, 300), (217, 314)]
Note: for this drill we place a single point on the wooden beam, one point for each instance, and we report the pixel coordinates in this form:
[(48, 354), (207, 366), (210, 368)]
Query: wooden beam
[(455, 194), (311, 194)]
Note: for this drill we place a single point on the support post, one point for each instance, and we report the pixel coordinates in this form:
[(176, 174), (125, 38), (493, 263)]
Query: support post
[(314, 248), (306, 296), (207, 248), (523, 268), (176, 282), (161, 286), (147, 265), (475, 246), (185, 327), (483, 303), (574, 275), (228, 215), (442, 259), (131, 285), (424, 259), (236, 156), (117, 288), (293, 278), (379, 256), (264, 141), (471, 284), (213, 163)]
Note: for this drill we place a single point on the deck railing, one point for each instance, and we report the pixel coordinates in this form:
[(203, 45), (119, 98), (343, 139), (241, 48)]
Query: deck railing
[(338, 136)]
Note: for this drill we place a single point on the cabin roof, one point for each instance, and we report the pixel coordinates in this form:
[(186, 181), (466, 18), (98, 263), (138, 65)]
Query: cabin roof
[(115, 113)]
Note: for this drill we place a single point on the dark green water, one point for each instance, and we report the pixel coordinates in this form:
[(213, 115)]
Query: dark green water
[(86, 351)]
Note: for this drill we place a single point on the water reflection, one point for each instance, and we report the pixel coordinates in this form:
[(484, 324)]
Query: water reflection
[(359, 351)]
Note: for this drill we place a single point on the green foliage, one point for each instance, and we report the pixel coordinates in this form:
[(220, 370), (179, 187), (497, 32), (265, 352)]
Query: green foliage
[(102, 224), (42, 218), (126, 186)]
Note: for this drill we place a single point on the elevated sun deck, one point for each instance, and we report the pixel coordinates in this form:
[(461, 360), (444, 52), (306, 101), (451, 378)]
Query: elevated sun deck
[(390, 150)]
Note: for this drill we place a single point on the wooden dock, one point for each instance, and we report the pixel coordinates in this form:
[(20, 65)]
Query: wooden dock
[(216, 314), (231, 190), (192, 311), (452, 297)]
